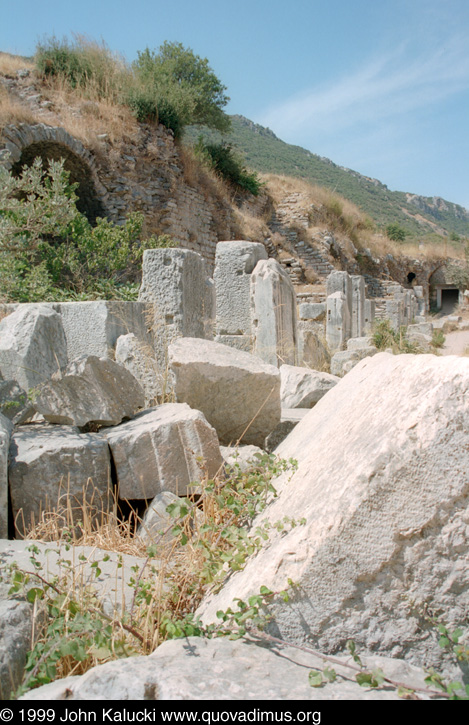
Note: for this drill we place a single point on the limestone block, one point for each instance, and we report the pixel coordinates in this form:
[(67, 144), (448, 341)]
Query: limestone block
[(370, 308), (358, 343), (303, 388), (423, 328), (195, 668), (343, 362), (234, 264), (15, 643), (6, 429), (156, 524), (312, 311), (139, 359), (55, 466), (273, 313), (341, 282), (32, 345), (238, 393), (312, 350), (241, 457), (358, 305), (382, 483), (183, 296), (92, 328), (395, 313), (239, 342), (337, 321), (290, 418), (166, 448), (92, 390)]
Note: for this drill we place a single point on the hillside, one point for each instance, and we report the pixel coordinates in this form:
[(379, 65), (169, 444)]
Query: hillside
[(264, 152)]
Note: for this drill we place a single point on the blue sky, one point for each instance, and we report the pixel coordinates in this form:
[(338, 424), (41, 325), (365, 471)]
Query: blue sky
[(380, 86)]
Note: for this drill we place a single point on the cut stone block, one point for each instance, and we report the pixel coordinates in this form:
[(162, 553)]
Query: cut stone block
[(92, 390), (139, 359), (234, 264), (156, 524), (6, 428), (312, 350), (52, 467), (358, 305), (239, 342), (312, 311), (273, 313), (15, 643), (303, 388), (290, 418), (370, 310), (337, 321), (32, 345), (343, 362), (242, 457), (382, 483), (238, 393), (183, 297), (167, 448), (341, 282)]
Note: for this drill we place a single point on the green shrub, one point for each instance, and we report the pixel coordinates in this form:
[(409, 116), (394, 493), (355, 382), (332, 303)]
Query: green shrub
[(49, 250), (224, 161), (396, 233)]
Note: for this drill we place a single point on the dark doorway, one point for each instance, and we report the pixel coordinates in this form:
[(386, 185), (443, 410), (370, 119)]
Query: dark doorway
[(410, 277), (449, 300)]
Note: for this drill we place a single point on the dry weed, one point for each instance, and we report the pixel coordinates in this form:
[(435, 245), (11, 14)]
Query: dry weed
[(10, 64), (13, 112)]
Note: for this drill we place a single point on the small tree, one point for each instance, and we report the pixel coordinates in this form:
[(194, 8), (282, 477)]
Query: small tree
[(177, 79), (396, 233)]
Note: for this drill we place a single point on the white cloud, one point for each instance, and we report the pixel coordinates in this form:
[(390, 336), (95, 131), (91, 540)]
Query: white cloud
[(384, 88)]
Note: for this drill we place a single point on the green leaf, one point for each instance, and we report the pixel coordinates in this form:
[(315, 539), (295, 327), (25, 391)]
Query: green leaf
[(34, 593), (315, 678)]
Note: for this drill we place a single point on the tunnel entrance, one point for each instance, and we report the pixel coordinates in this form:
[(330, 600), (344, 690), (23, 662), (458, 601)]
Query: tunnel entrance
[(88, 202), (410, 277), (449, 299)]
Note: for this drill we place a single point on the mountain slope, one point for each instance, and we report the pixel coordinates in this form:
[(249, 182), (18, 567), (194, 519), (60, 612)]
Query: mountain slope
[(266, 153)]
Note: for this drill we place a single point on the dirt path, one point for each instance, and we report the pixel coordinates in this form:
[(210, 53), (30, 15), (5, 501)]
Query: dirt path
[(456, 343)]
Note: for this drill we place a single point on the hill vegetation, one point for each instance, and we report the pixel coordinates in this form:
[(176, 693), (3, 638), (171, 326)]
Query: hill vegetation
[(426, 219)]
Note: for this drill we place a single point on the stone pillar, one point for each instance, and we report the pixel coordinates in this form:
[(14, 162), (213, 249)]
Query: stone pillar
[(421, 306), (370, 307), (337, 315), (394, 313), (358, 305), (234, 265), (273, 314), (6, 428), (176, 282), (341, 282)]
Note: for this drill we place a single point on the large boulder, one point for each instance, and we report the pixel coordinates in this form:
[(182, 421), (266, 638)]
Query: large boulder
[(302, 387), (57, 467), (382, 482), (32, 345), (6, 429), (92, 390), (166, 448), (238, 393), (194, 668)]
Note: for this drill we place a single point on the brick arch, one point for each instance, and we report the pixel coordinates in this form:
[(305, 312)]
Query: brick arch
[(24, 143)]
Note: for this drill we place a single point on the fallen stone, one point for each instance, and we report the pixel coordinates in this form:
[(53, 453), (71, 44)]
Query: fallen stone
[(382, 483), (241, 457), (343, 362), (238, 393), (289, 419), (195, 668), (167, 448), (92, 391), (57, 468), (302, 387), (6, 429), (32, 345), (312, 351), (111, 583), (139, 360), (15, 643), (312, 311), (156, 524)]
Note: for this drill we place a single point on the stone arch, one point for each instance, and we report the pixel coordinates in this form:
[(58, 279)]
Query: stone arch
[(24, 143)]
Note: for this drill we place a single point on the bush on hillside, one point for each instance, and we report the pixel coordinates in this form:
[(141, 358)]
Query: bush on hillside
[(50, 251), (225, 162)]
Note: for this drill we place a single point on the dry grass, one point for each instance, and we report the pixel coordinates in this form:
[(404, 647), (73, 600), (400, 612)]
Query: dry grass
[(12, 112), (10, 64)]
